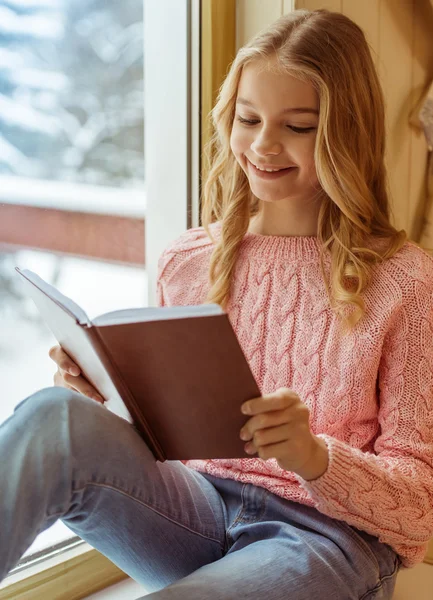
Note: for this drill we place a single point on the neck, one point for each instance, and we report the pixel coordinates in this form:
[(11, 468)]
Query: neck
[(276, 218), (266, 229)]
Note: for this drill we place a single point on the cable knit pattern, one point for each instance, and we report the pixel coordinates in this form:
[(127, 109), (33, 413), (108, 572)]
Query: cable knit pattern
[(370, 395)]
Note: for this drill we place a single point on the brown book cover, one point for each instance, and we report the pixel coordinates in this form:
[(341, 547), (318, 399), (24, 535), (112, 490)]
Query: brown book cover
[(177, 373)]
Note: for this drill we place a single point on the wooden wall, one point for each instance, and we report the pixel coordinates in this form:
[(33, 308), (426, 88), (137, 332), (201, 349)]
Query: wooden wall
[(400, 36)]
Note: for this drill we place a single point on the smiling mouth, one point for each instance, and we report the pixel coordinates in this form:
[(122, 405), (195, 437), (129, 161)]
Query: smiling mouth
[(269, 174), (274, 169)]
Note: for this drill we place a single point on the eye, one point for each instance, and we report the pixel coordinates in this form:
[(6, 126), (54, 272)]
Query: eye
[(301, 129), (292, 127), (246, 121)]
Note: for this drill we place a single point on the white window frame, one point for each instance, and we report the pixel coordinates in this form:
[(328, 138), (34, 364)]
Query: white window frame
[(172, 128)]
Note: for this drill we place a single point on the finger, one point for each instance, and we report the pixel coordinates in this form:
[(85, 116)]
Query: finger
[(81, 385), (63, 360), (273, 435), (58, 379), (272, 450), (269, 402), (263, 421), (60, 382)]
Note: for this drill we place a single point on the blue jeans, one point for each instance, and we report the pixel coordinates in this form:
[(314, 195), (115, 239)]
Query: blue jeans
[(181, 534)]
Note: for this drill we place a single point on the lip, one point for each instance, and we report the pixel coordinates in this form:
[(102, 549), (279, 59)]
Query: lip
[(266, 174)]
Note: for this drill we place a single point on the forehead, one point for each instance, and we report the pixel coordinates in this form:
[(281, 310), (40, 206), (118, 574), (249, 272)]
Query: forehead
[(261, 82)]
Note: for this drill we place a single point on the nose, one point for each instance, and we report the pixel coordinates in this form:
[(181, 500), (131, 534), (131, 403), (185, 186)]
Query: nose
[(266, 143)]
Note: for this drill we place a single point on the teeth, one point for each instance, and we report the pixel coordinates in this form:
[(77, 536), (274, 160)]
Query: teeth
[(269, 170)]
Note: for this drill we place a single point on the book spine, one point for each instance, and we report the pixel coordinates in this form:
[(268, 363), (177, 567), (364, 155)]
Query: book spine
[(123, 390)]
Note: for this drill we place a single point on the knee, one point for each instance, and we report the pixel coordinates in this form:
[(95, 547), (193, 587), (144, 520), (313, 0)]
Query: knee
[(52, 406), (60, 414), (46, 399)]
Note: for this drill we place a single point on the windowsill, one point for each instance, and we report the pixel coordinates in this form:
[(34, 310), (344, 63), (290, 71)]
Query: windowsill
[(80, 549), (76, 572), (54, 535)]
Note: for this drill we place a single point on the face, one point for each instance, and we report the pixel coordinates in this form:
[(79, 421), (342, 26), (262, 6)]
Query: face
[(271, 133)]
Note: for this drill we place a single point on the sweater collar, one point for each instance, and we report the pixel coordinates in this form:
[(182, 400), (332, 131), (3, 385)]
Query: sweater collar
[(275, 247), (278, 247)]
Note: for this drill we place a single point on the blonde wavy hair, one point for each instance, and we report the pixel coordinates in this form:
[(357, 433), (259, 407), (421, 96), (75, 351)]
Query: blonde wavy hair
[(330, 51)]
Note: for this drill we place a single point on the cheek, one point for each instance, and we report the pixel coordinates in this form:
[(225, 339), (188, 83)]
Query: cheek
[(308, 157), (238, 146), (310, 170)]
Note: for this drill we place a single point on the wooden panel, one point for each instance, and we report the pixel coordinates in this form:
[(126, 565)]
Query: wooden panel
[(367, 17), (218, 49), (395, 70), (254, 15), (288, 6), (335, 5), (115, 239), (422, 75)]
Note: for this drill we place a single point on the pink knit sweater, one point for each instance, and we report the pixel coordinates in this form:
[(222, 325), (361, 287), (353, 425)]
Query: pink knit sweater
[(370, 395)]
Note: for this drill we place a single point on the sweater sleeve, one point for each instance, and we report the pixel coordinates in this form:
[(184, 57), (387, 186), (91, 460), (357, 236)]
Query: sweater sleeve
[(159, 294), (163, 262), (389, 493), (176, 254)]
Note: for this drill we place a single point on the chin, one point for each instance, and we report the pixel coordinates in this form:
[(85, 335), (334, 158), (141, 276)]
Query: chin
[(268, 197)]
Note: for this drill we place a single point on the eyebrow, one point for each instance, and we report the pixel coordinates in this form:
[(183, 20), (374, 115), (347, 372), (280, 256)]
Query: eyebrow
[(300, 109)]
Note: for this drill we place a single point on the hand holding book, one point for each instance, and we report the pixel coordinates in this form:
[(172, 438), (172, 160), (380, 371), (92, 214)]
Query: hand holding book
[(69, 375)]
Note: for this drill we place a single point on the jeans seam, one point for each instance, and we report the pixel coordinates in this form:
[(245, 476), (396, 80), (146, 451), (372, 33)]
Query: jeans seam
[(229, 539), (152, 508), (241, 509), (259, 514), (240, 513), (362, 545), (379, 584)]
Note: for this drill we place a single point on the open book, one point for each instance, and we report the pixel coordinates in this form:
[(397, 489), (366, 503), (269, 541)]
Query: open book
[(177, 373)]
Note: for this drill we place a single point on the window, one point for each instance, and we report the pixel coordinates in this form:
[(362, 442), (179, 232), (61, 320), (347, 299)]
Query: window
[(74, 173), (71, 162)]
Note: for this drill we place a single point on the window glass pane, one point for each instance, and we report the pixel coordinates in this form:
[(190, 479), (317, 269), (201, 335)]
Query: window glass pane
[(71, 90), (71, 139), (96, 286), (25, 366)]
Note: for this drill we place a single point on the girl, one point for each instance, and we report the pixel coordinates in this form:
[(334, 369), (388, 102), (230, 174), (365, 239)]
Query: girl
[(333, 308)]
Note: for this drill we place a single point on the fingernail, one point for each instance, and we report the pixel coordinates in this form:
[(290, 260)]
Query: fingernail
[(74, 371)]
